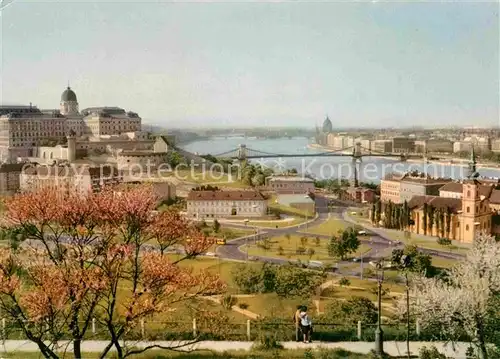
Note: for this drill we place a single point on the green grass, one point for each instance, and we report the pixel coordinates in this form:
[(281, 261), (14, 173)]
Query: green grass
[(288, 210), (443, 262), (329, 227), (279, 223), (290, 246)]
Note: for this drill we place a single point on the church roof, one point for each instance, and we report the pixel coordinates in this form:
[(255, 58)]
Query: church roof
[(327, 125), (455, 204), (68, 95)]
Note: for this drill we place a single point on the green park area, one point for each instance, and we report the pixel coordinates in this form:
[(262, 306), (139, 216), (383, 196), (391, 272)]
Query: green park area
[(295, 247), (330, 227)]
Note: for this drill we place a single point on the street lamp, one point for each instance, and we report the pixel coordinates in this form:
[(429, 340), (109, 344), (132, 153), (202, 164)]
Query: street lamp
[(246, 238), (379, 334), (405, 263)]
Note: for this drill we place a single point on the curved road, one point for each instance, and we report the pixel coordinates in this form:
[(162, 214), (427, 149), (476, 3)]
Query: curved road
[(378, 241)]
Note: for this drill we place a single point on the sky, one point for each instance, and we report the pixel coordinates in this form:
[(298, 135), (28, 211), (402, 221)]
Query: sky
[(240, 63)]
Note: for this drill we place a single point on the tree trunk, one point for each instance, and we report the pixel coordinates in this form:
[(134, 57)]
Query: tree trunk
[(77, 348)]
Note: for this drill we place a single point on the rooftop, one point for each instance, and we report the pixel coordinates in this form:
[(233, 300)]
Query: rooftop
[(290, 179), (70, 171), (225, 196), (455, 204), (416, 177)]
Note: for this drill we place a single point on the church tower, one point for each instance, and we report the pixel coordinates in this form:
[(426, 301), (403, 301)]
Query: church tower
[(69, 103), (471, 210)]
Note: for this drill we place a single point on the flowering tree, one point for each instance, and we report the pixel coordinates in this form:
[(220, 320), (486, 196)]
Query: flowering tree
[(83, 257), (466, 301)]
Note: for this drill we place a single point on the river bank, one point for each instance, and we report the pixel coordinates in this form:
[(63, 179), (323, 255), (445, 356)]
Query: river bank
[(454, 161)]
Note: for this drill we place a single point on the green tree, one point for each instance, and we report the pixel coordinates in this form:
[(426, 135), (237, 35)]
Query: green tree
[(291, 281), (373, 213), (351, 311), (303, 241), (317, 241), (449, 214), (379, 212), (310, 252), (431, 218), (442, 222), (216, 226), (287, 236), (424, 217), (418, 263), (345, 243)]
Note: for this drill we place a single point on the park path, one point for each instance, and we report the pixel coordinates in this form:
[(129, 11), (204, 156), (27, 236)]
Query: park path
[(235, 308), (391, 348)]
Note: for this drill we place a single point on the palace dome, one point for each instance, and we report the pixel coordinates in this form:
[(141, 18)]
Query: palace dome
[(68, 95)]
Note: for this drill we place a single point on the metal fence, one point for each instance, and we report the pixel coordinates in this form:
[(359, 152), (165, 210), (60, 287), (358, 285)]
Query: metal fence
[(250, 330)]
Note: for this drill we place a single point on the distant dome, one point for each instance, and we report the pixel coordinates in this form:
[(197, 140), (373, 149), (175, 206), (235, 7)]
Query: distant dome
[(327, 125), (68, 95)]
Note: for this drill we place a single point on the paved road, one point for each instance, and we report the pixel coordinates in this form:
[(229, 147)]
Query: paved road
[(232, 249), (391, 348), (376, 239)]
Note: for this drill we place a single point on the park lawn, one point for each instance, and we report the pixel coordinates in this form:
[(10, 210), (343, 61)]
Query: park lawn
[(272, 203), (279, 223), (444, 263), (271, 305), (329, 227), (289, 247)]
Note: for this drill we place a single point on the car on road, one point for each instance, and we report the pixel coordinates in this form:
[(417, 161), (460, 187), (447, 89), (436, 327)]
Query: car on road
[(355, 259), (211, 254), (252, 258)]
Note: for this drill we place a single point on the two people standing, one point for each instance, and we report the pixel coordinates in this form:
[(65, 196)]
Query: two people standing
[(303, 324)]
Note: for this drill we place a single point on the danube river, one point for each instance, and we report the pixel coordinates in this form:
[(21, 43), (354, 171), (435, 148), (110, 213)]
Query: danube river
[(371, 169)]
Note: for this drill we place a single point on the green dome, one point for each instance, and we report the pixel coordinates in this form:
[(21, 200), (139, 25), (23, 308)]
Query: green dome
[(68, 95)]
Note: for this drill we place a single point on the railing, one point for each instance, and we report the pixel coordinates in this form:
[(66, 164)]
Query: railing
[(280, 330)]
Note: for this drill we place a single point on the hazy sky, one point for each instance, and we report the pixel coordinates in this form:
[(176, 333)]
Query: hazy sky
[(244, 63)]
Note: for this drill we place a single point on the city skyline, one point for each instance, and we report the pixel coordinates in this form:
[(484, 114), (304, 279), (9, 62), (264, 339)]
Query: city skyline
[(228, 64)]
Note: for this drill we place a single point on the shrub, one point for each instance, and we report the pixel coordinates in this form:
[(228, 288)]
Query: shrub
[(443, 241), (243, 305), (430, 353), (344, 282), (229, 301)]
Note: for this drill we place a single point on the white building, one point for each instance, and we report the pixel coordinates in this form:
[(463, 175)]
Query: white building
[(224, 204), (24, 127)]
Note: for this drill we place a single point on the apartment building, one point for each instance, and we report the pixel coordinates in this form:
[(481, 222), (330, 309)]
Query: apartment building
[(434, 145), (10, 174), (82, 179), (403, 145), (224, 204), (290, 184), (399, 188), (390, 188), (381, 146), (412, 186)]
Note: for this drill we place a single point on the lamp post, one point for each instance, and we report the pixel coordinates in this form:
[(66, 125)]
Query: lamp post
[(379, 334), (405, 263), (246, 239)]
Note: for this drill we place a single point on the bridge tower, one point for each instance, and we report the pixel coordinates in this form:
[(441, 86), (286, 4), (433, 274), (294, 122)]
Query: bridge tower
[(242, 152), (356, 160)]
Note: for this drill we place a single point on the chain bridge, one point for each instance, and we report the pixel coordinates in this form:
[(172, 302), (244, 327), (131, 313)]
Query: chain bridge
[(356, 152)]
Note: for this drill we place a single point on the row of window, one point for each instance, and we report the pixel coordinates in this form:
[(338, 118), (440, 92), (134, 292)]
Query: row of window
[(224, 203)]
